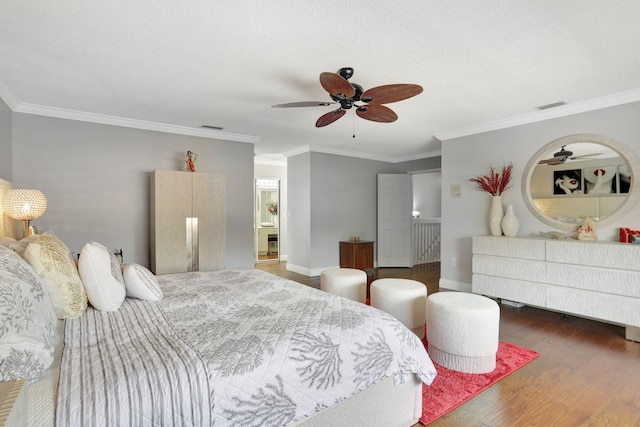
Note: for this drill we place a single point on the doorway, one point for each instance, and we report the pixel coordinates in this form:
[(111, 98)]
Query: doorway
[(267, 220)]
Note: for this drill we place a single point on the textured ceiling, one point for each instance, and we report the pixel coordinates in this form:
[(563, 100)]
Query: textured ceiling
[(181, 64)]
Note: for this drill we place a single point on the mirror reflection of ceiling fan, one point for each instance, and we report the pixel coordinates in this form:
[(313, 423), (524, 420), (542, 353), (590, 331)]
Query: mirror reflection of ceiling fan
[(368, 104), (563, 155)]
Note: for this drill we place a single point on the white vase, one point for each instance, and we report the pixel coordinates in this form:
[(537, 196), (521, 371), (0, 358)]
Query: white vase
[(510, 222), (495, 216)]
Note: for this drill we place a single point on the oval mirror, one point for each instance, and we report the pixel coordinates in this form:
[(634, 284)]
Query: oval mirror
[(581, 175)]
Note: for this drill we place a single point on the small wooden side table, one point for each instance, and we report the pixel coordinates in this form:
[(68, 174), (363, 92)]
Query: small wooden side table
[(357, 255)]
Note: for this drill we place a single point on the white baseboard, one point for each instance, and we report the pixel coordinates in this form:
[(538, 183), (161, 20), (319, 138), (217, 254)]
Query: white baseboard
[(297, 269), (511, 303), (454, 286)]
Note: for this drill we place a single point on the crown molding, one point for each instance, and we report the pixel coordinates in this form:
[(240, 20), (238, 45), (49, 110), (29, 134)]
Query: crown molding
[(260, 160), (367, 156), (62, 113), (565, 110)]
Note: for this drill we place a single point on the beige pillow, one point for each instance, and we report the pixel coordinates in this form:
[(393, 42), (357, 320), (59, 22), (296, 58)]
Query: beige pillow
[(6, 241), (50, 258), (22, 244)]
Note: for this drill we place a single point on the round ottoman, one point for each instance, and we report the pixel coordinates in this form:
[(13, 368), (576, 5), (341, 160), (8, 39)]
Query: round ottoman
[(404, 299), (462, 331), (345, 282)]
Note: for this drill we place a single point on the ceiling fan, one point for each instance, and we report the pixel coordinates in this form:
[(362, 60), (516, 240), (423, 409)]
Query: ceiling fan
[(562, 156), (368, 104)]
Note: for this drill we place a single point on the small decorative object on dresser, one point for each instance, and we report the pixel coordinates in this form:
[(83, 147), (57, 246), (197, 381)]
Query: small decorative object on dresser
[(190, 161), (587, 229), (495, 184), (496, 213), (627, 235), (510, 222)]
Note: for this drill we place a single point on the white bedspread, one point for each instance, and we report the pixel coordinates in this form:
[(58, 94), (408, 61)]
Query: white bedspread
[(230, 347)]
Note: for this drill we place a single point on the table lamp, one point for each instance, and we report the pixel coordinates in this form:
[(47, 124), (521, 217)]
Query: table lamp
[(24, 205)]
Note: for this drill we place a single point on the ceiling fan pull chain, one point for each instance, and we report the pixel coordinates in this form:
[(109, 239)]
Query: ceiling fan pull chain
[(353, 116)]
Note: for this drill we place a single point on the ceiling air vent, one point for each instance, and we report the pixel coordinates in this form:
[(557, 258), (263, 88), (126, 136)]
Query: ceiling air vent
[(555, 104), (211, 127)]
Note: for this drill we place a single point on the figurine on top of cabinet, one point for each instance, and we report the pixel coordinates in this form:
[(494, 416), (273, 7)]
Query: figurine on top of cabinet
[(190, 160), (587, 229)]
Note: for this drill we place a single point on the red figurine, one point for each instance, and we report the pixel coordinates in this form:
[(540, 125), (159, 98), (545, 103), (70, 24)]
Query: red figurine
[(190, 159)]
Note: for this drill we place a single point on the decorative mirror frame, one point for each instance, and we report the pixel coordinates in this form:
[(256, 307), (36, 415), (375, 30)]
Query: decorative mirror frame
[(625, 153)]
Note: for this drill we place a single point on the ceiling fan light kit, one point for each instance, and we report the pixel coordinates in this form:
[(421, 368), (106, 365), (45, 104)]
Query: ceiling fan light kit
[(347, 94)]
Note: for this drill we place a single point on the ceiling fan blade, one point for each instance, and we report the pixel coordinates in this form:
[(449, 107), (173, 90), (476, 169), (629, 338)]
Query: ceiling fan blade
[(330, 117), (585, 156), (377, 113), (390, 93), (335, 84), (304, 104), (553, 161)]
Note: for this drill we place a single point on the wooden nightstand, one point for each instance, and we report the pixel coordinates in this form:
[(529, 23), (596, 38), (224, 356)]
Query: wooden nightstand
[(356, 255), (9, 394)]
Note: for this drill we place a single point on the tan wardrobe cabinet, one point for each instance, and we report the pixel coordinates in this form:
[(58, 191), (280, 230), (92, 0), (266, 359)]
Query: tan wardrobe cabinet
[(187, 221)]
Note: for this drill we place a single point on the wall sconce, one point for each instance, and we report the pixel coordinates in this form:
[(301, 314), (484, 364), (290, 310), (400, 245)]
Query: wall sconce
[(24, 205)]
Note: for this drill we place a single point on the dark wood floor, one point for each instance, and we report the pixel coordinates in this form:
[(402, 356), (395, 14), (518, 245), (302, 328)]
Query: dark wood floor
[(587, 373)]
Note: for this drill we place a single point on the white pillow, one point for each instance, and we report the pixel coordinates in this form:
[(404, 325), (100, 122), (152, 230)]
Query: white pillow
[(22, 244), (6, 241), (141, 283), (50, 258), (27, 320), (102, 277)]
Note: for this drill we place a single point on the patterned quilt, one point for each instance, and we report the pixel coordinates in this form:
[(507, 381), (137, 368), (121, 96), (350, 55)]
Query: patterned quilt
[(229, 348)]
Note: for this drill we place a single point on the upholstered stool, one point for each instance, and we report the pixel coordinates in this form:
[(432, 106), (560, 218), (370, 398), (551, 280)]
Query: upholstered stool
[(345, 282), (462, 331), (404, 299)]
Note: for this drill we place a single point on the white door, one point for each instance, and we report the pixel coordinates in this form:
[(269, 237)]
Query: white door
[(395, 203)]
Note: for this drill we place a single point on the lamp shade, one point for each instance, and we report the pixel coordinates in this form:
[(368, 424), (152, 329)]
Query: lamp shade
[(24, 205)]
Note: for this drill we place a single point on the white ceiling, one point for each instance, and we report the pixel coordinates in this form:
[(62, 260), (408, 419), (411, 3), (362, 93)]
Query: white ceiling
[(175, 65)]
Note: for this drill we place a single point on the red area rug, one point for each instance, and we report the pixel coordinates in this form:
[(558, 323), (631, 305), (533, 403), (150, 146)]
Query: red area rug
[(451, 389)]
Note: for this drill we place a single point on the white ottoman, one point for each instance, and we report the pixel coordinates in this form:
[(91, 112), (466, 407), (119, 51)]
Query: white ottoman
[(404, 299), (462, 331), (345, 282)]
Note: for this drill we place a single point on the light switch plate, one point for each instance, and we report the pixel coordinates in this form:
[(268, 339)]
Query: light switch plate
[(456, 190)]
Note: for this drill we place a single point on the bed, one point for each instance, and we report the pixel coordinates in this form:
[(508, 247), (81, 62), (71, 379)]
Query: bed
[(227, 347)]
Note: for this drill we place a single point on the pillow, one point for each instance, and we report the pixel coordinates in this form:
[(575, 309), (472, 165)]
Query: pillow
[(50, 258), (21, 245), (6, 241), (141, 283), (102, 277), (27, 320)]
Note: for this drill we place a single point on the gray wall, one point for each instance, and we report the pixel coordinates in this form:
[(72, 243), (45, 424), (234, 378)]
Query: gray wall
[(299, 212), (470, 156), (6, 171), (341, 196), (96, 180), (427, 190)]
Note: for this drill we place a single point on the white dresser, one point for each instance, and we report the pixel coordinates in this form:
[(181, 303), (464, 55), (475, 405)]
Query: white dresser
[(599, 280)]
